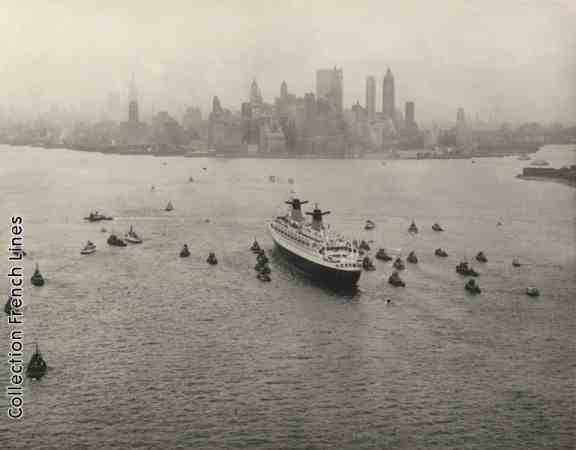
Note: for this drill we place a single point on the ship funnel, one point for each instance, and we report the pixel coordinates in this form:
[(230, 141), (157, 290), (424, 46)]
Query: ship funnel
[(317, 214), (296, 209)]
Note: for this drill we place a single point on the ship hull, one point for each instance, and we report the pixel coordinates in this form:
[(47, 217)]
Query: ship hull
[(325, 275)]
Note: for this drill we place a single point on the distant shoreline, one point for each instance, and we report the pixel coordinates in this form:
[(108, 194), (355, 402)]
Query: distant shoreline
[(552, 179)]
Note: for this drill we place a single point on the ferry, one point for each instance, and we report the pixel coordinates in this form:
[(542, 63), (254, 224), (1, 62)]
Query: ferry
[(313, 248)]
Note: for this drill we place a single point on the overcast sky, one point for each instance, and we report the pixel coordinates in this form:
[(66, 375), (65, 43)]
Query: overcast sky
[(512, 56)]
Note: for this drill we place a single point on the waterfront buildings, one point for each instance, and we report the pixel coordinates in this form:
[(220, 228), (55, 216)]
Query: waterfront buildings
[(329, 87)]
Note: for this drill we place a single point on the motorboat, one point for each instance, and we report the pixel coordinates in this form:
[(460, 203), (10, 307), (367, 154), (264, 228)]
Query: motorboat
[(95, 216), (464, 269), (369, 225), (132, 237), (212, 259), (37, 278), (437, 227), (399, 264), (382, 255), (114, 241), (413, 228), (516, 262), (367, 264), (395, 280), (440, 252), (37, 366), (255, 248), (532, 291), (472, 287), (184, 253), (481, 257), (412, 258), (169, 207), (88, 249)]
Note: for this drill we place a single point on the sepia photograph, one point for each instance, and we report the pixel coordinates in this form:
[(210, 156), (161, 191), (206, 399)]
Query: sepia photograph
[(299, 224)]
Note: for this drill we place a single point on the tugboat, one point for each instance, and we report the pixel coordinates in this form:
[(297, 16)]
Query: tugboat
[(184, 253), (255, 248), (264, 277), (437, 227), (132, 237), (37, 366), (532, 291), (95, 216), (516, 263), (263, 268), (395, 280), (212, 259), (369, 225), (37, 278), (472, 287), (367, 264), (413, 228), (441, 253), (412, 258), (114, 241), (88, 249), (481, 257), (399, 264), (464, 269), (169, 207), (364, 246), (316, 250), (382, 255)]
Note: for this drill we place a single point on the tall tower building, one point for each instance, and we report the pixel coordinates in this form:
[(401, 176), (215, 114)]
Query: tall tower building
[(255, 95), (409, 114), (284, 90), (371, 97), (460, 118), (329, 86), (133, 115), (388, 96)]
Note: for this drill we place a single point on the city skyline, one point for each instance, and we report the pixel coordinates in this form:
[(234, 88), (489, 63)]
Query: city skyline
[(522, 70)]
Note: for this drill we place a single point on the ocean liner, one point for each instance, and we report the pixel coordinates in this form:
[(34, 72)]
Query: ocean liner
[(314, 248)]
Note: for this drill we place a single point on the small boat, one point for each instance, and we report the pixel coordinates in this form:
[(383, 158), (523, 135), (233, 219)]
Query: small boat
[(255, 248), (88, 249), (382, 255), (37, 366), (8, 306), (152, 188), (369, 225), (364, 246), (524, 158), (115, 241), (440, 252), (264, 277), (191, 180), (272, 179), (262, 258), (516, 263), (481, 257), (95, 216), (169, 206), (367, 264), (291, 180), (412, 258), (184, 253), (103, 230), (472, 287), (539, 162), (212, 259), (532, 291), (395, 280), (132, 237), (413, 228), (464, 269), (399, 264), (37, 278), (263, 268), (437, 227)]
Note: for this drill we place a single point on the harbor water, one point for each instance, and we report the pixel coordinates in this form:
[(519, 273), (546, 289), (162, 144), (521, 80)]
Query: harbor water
[(149, 350)]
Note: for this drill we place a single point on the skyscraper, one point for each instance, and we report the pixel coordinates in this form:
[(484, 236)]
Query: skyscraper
[(133, 115), (371, 97), (329, 86), (284, 90), (255, 95), (388, 100), (409, 114)]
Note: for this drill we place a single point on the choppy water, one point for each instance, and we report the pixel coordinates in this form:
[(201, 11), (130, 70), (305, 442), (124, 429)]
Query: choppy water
[(148, 350)]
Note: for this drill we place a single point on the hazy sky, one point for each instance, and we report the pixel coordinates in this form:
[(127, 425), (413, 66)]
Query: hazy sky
[(516, 57)]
